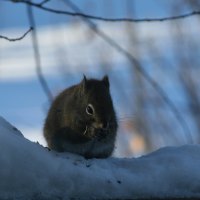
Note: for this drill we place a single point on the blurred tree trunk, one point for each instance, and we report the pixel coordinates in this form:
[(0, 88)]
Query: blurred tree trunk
[(140, 94)]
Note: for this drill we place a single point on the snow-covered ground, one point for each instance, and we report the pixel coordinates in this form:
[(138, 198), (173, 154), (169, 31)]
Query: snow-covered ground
[(30, 171)]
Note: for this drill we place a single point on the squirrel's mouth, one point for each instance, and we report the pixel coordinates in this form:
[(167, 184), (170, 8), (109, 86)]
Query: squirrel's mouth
[(86, 130), (95, 132)]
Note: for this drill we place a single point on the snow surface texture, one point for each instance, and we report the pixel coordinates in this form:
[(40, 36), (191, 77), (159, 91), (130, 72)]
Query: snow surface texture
[(30, 171)]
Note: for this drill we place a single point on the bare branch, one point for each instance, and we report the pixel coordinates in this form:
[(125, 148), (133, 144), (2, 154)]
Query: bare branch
[(131, 20), (43, 2), (16, 39), (41, 78)]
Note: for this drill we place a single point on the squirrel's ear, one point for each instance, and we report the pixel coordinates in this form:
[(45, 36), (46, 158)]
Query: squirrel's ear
[(106, 81), (84, 78), (83, 84)]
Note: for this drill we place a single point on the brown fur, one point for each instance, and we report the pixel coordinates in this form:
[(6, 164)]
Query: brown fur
[(68, 126)]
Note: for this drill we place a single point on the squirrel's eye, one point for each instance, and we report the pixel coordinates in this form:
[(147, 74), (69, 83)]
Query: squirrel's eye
[(90, 109)]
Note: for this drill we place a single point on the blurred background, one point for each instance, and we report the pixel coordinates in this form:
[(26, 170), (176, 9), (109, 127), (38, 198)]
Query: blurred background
[(168, 51)]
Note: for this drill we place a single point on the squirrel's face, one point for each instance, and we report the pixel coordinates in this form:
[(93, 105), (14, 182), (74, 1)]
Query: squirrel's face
[(98, 118)]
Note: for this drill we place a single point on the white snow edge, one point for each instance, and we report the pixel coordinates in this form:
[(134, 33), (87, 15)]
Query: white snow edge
[(30, 171)]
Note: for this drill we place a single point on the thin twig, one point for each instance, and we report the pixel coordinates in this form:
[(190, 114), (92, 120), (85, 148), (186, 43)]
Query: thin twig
[(43, 2), (16, 39), (131, 20), (138, 66), (37, 56)]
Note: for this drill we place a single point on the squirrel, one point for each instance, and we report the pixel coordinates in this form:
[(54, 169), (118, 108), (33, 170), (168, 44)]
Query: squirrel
[(82, 120)]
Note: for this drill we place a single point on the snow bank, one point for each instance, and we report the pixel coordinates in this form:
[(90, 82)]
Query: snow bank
[(30, 171)]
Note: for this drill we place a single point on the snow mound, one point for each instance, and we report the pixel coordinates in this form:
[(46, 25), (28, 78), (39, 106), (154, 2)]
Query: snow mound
[(30, 171), (7, 127)]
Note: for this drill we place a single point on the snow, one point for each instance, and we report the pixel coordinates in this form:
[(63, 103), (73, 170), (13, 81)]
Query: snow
[(30, 171)]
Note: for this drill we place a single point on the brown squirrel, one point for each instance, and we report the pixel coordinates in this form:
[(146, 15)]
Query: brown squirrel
[(82, 120)]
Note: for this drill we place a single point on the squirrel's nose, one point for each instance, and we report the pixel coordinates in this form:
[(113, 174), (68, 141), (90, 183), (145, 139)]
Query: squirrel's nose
[(101, 125)]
